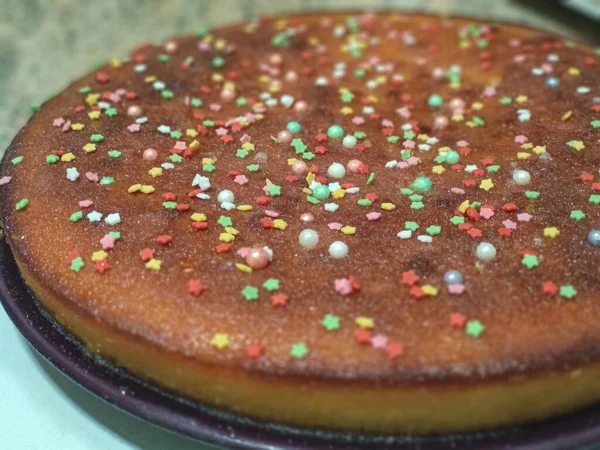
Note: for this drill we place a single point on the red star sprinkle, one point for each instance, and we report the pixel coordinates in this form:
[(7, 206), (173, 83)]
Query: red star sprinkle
[(200, 225), (469, 183), (586, 177), (509, 207), (457, 320), (363, 336), (279, 299), (417, 292), (505, 232), (102, 266), (266, 222), (164, 239), (255, 351), (549, 288), (73, 254), (195, 287), (223, 248), (487, 161), (475, 232), (182, 207), (263, 200), (409, 278), (321, 137), (394, 350), (147, 254)]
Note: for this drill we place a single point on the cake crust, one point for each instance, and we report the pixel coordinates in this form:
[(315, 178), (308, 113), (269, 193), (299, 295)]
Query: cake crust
[(531, 314)]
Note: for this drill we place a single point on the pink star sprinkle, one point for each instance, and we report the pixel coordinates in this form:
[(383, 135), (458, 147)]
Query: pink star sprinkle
[(215, 107), (520, 139), (402, 165), (245, 138), (335, 226), (221, 131), (67, 126), (85, 203), (240, 179), (409, 144), (180, 145), (373, 215), (5, 180), (462, 143), (524, 217), (134, 128), (510, 224), (486, 213), (379, 341), (343, 286), (413, 161), (93, 177), (58, 122), (357, 120), (107, 242), (243, 252), (456, 289)]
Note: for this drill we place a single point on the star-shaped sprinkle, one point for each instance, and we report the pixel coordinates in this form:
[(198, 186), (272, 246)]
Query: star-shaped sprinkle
[(409, 278), (551, 232), (195, 287), (486, 184), (220, 341), (530, 261), (379, 341), (94, 216), (549, 288), (225, 221), (279, 299), (457, 320), (154, 264), (77, 264), (331, 322), (394, 350), (250, 293), (299, 350), (577, 215), (567, 291), (271, 284), (255, 351), (147, 254), (474, 328), (273, 190)]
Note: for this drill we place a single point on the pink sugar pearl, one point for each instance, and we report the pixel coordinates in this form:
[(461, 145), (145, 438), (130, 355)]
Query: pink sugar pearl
[(150, 154), (257, 258)]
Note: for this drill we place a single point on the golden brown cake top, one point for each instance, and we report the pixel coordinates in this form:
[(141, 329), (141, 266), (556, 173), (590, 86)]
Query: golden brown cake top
[(374, 196)]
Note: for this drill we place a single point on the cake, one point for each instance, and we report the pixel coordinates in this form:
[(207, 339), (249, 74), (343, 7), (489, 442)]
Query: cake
[(379, 223)]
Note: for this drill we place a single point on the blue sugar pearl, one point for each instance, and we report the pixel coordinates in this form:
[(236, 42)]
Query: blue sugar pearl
[(455, 277), (553, 82), (594, 238)]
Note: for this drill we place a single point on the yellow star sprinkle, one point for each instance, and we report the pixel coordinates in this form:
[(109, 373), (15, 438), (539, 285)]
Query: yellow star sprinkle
[(134, 188), (364, 322), (89, 147), (348, 230), (198, 217), (147, 189), (523, 155), (310, 178), (457, 117), (338, 194), (194, 144), (190, 132), (521, 99), (248, 146), (578, 145), (232, 230), (208, 161), (94, 115), (153, 264), (67, 157), (220, 341), (280, 224), (486, 184), (464, 206), (77, 126), (388, 206), (92, 99), (477, 106), (574, 71), (99, 255), (155, 172), (438, 170), (116, 63), (244, 208), (551, 232), (243, 268), (226, 237), (346, 110), (429, 290), (539, 149), (527, 145), (291, 161)]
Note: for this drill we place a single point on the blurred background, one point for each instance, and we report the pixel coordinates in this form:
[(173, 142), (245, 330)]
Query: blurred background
[(46, 44)]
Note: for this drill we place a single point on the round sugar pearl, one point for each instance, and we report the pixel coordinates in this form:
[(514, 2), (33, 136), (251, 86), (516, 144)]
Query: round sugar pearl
[(485, 251), (349, 141), (307, 217), (336, 170), (594, 238), (521, 177), (134, 111), (257, 258), (338, 250), (225, 196), (150, 154), (321, 192), (284, 136), (453, 277), (308, 238)]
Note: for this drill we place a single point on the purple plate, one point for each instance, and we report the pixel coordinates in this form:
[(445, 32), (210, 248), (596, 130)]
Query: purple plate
[(130, 393)]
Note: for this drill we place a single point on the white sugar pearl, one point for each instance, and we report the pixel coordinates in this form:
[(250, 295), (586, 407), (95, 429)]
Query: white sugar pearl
[(308, 238), (338, 250), (134, 111), (225, 196), (336, 170), (485, 251), (521, 177), (349, 141)]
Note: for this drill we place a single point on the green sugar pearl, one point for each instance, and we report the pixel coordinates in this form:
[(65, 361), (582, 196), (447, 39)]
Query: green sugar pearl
[(294, 127), (321, 192), (421, 184), (435, 101), (218, 62), (335, 131), (452, 157)]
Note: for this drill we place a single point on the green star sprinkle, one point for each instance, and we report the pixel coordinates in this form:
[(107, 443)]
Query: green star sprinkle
[(107, 180), (567, 291), (308, 156), (196, 102), (299, 350), (177, 158), (167, 94), (364, 202), (76, 216), (298, 145), (205, 167), (412, 226), (250, 293), (22, 204), (17, 160), (169, 205), (77, 264), (225, 221), (595, 123), (241, 101), (252, 167), (433, 230), (417, 205), (114, 153), (416, 198), (176, 134), (532, 194), (272, 284), (457, 220), (115, 235), (530, 261), (273, 190), (52, 159), (111, 112), (96, 138), (474, 328), (241, 153), (393, 139), (406, 191), (577, 215), (493, 168), (594, 198), (331, 322)]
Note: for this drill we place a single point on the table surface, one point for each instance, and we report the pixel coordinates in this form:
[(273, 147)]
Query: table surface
[(43, 45)]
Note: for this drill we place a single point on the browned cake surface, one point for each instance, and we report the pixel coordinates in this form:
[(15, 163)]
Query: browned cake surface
[(500, 110)]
